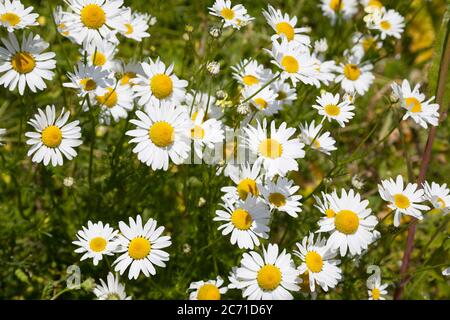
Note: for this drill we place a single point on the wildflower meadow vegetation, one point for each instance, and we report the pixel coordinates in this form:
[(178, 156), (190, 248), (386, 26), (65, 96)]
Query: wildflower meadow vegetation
[(219, 149)]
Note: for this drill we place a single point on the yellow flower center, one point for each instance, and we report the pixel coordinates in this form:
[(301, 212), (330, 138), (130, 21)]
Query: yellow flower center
[(261, 103), (376, 294), (227, 13), (401, 201), (161, 85), (441, 203), (271, 148), (385, 25), (315, 144), (277, 199), (93, 16), (286, 29), (208, 292), (330, 213), (314, 261), (139, 248), (336, 5), (127, 76), (129, 28), (413, 105), (346, 221), (113, 296), (375, 3), (97, 244), (197, 132), (241, 219), (368, 43), (269, 277), (281, 95), (352, 71), (98, 59), (290, 64), (109, 99), (247, 186), (11, 18), (23, 62), (250, 80), (332, 110), (162, 134), (51, 136), (88, 84)]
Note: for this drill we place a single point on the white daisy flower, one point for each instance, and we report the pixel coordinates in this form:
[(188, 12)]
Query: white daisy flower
[(333, 8), (421, 111), (320, 46), (363, 43), (323, 142), (355, 76), (89, 80), (278, 153), (100, 54), (251, 73), (438, 195), (161, 133), (24, 64), (353, 225), (111, 290), (234, 16), (405, 201), (207, 290), (142, 248), (286, 94), (323, 205), (246, 177), (206, 133), (53, 138), (296, 63), (94, 19), (58, 17), (389, 23), (284, 26), (136, 25), (331, 109), (269, 276), (264, 101), (128, 71), (372, 4), (95, 241), (376, 290), (197, 101), (247, 221), (158, 84), (14, 16), (325, 70), (318, 263), (2, 133), (281, 195)]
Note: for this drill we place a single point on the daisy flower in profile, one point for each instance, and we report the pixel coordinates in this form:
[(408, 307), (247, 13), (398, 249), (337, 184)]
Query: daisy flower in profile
[(206, 133), (91, 80), (14, 16), (251, 73), (2, 133), (136, 25), (94, 19), (318, 263), (372, 4), (286, 94), (247, 221), (269, 276), (234, 16), (112, 289), (421, 111), (277, 153), (438, 195), (284, 26), (115, 102), (389, 23), (128, 71), (262, 100), (95, 241), (323, 205), (246, 177), (404, 200), (58, 17), (141, 246), (207, 290), (333, 8), (25, 64), (158, 84), (365, 42), (197, 101), (352, 226), (53, 138), (281, 195), (354, 76), (325, 70), (376, 290), (296, 63), (331, 108), (100, 54), (311, 135), (161, 134)]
